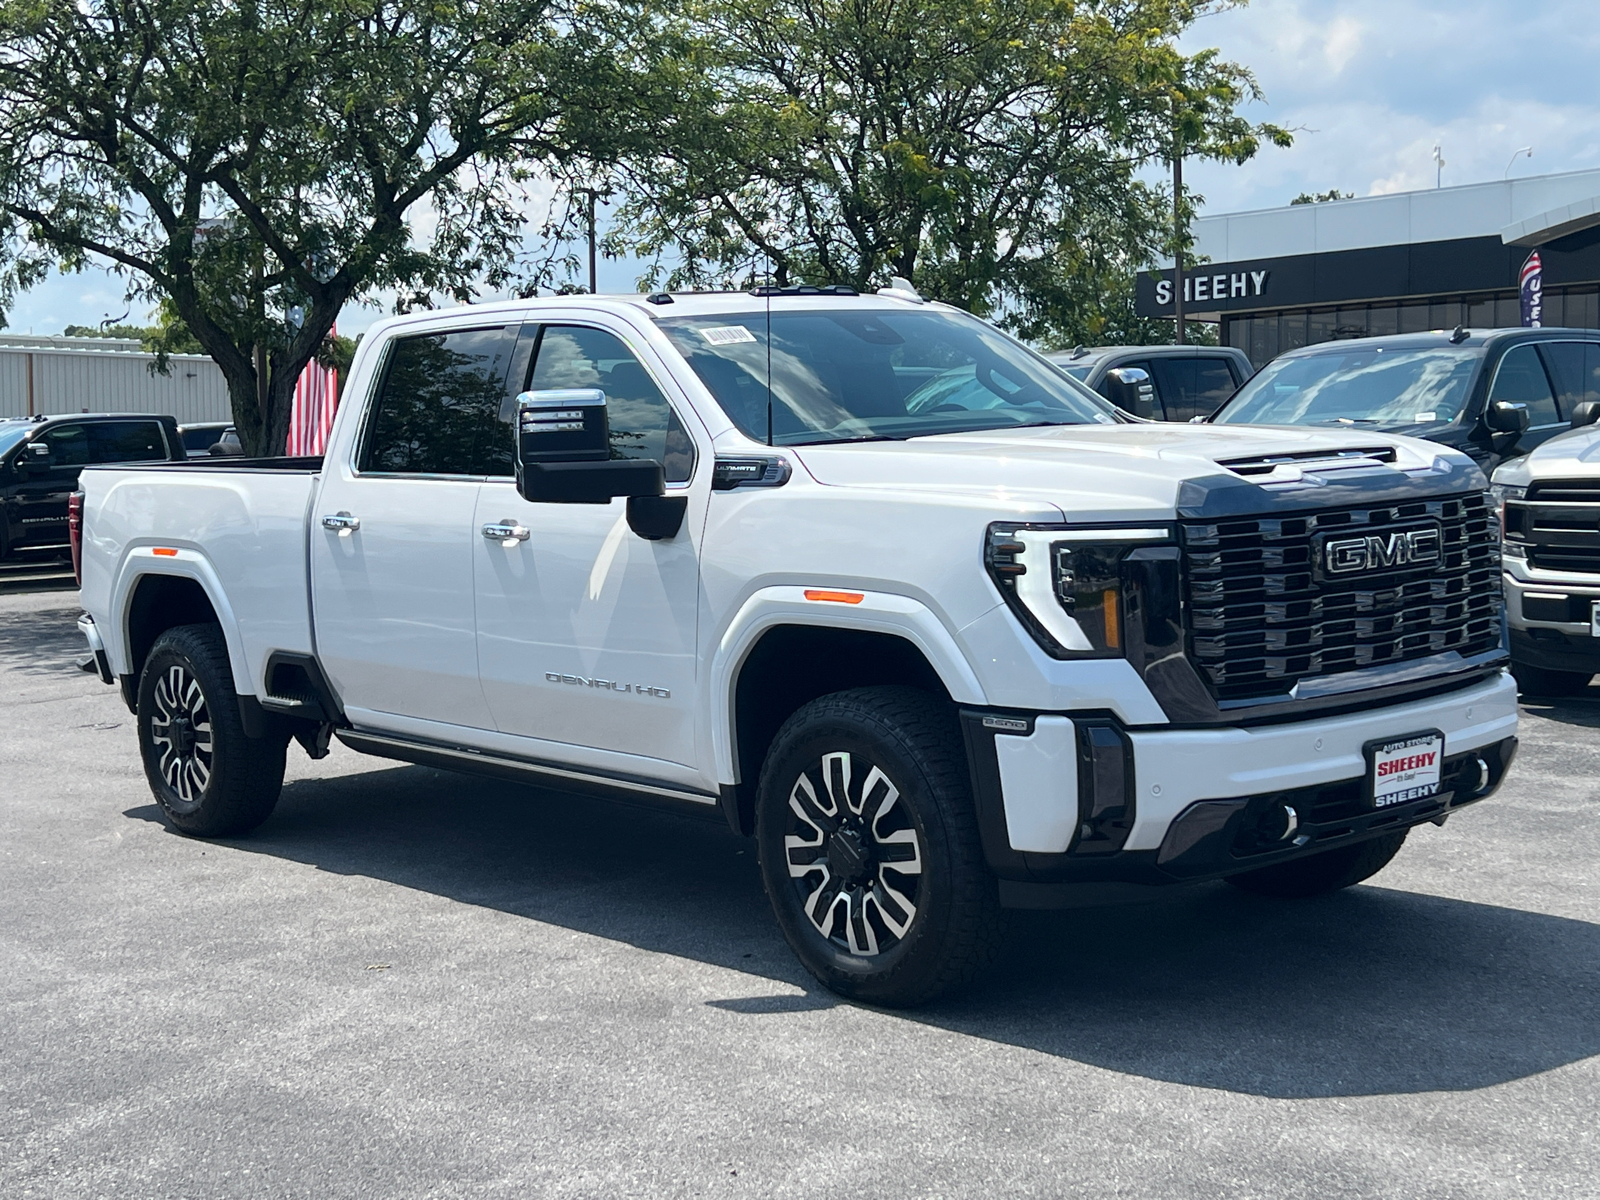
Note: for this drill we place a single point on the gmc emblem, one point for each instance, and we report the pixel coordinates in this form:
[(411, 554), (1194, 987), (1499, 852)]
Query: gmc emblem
[(1381, 551)]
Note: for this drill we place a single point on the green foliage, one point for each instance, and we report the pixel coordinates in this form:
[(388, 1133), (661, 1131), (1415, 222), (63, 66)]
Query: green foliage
[(990, 151), (1322, 197), (254, 165), (137, 333)]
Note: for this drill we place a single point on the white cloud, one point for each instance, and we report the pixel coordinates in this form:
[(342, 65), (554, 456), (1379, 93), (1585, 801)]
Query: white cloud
[(1371, 85)]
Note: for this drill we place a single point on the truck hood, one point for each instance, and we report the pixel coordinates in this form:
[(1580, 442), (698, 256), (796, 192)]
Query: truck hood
[(1567, 455), (1125, 472)]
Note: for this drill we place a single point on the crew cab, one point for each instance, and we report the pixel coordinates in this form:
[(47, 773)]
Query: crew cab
[(41, 457), (1493, 394), (1550, 510), (859, 574)]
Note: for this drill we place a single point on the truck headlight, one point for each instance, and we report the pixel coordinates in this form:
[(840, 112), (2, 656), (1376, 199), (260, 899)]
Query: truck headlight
[(1067, 584), (1499, 493)]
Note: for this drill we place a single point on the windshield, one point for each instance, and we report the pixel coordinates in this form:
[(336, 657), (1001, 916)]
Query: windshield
[(1365, 386), (856, 375), (10, 437)]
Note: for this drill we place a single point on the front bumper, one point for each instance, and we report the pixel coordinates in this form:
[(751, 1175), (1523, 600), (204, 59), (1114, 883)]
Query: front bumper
[(1065, 799), (1549, 614)]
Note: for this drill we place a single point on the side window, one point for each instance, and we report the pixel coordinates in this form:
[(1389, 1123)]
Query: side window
[(1213, 383), (126, 441), (1575, 368), (438, 412), (1175, 385), (69, 445), (643, 424), (1520, 379)]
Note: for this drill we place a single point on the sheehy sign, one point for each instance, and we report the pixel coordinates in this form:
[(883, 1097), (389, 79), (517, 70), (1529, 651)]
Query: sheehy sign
[(1229, 285)]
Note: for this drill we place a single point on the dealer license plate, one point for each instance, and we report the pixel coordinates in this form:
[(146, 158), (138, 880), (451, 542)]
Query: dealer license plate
[(1405, 769)]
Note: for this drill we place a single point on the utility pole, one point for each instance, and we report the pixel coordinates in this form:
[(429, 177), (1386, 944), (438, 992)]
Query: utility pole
[(1177, 241), (589, 195)]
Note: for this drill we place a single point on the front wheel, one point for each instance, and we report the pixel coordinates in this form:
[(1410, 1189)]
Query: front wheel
[(869, 847), (208, 777), (1328, 871)]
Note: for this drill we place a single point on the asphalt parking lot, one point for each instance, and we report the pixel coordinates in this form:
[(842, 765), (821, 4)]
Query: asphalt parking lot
[(416, 984)]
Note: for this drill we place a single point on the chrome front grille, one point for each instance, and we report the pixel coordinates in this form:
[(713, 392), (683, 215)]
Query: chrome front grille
[(1264, 613), (1559, 524)]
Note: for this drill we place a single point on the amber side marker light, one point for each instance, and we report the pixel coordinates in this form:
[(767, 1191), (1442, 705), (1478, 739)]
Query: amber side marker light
[(835, 597), (164, 551)]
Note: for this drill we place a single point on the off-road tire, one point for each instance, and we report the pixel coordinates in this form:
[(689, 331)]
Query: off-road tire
[(955, 927), (1542, 681), (1319, 874), (227, 783)]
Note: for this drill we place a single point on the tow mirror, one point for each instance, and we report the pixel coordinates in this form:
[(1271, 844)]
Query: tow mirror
[(564, 457), (1585, 413), (34, 456), (1130, 389), (1507, 416)]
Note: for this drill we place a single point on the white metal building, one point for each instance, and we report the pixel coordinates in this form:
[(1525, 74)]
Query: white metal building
[(78, 374)]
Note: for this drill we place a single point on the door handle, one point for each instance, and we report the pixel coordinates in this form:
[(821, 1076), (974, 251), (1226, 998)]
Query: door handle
[(507, 533), (341, 523)]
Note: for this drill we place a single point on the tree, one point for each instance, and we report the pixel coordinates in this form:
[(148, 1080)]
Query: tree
[(255, 164), (1322, 197), (979, 148)]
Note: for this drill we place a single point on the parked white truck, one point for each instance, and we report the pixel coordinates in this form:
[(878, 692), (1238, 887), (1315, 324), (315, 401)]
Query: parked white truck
[(937, 626), (1550, 509)]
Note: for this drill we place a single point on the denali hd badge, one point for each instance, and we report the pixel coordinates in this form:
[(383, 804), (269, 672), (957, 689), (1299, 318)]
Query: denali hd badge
[(1345, 556)]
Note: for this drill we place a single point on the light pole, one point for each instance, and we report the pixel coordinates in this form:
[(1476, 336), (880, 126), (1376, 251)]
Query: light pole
[(1528, 150), (1177, 241), (1438, 165)]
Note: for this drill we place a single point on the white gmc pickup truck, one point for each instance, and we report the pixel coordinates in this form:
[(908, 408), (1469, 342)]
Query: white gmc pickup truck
[(940, 628)]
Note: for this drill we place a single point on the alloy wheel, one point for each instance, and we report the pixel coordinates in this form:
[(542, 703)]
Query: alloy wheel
[(180, 730), (854, 854)]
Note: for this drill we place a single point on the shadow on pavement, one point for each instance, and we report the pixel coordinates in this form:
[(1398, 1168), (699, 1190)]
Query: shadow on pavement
[(1571, 710), (42, 642), (1365, 992)]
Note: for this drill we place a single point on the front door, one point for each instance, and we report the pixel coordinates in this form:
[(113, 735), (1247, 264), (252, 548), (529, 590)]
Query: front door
[(586, 631), (392, 537), (38, 515)]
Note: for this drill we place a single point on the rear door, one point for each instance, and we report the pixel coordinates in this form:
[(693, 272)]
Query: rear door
[(392, 536)]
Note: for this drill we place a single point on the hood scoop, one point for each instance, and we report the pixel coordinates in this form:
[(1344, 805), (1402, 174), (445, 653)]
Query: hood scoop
[(1286, 466)]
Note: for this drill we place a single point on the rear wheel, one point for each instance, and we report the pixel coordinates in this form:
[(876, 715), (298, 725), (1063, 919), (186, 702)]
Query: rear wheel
[(1542, 681), (208, 777), (1325, 872), (869, 847)]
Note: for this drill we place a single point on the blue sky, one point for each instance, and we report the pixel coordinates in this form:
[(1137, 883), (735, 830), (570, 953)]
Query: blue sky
[(1369, 86)]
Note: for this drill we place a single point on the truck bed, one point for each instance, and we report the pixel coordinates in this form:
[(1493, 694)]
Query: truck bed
[(237, 527)]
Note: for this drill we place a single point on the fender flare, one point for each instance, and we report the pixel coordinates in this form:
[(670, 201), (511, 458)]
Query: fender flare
[(139, 561), (877, 612)]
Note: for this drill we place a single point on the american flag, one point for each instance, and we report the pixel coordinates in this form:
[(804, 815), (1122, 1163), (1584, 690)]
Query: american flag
[(316, 397)]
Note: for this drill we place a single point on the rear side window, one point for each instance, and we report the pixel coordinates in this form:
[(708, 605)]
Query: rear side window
[(1520, 379), (202, 438), (438, 412), (1575, 368), (643, 424), (1213, 384), (126, 441)]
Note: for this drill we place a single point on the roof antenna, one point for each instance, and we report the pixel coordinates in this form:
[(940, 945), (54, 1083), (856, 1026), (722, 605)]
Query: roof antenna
[(767, 292), (1458, 335)]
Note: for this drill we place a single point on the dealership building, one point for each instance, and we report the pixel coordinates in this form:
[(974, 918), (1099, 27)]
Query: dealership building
[(1279, 278)]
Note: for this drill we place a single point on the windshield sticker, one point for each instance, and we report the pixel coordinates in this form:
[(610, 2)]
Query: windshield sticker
[(727, 335), (1424, 418)]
